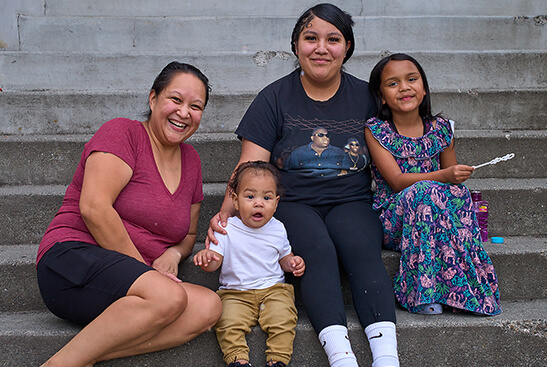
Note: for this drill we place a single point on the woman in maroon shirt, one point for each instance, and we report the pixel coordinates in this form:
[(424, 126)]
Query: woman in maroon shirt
[(109, 259)]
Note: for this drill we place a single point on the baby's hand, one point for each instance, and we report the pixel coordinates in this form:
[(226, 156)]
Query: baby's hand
[(204, 257), (297, 266)]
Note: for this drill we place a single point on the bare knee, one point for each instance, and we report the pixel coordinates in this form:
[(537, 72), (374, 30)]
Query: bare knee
[(167, 304), (215, 310), (210, 309), (173, 304)]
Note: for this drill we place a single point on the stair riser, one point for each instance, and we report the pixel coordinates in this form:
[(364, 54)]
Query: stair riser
[(513, 212), (291, 7), (52, 162), (81, 113), (490, 346), (216, 34), (249, 73), (520, 274), (43, 162)]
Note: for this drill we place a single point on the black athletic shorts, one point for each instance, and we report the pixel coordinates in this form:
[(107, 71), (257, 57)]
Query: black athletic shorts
[(78, 280)]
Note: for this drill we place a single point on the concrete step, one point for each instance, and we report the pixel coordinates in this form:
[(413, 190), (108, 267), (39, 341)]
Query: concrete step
[(291, 7), (519, 264), (514, 338), (240, 73), (82, 112), (517, 208), (205, 34), (521, 11), (52, 159)]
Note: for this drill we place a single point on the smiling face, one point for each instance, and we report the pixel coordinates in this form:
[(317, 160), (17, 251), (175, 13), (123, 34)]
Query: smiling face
[(321, 49), (256, 199), (401, 87), (177, 110)]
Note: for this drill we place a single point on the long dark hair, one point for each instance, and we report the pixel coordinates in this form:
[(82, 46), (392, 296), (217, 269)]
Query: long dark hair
[(168, 73), (329, 13), (375, 80)]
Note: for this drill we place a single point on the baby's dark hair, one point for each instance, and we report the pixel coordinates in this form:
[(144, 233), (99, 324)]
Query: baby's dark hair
[(375, 80), (255, 167)]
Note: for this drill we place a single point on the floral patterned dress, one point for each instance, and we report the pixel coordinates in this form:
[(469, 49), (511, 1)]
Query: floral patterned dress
[(433, 225)]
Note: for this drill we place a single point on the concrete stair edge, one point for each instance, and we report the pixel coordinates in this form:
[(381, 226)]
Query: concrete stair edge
[(291, 8), (52, 159), (74, 112), (131, 34), (516, 337), (519, 263), (251, 72), (516, 207)]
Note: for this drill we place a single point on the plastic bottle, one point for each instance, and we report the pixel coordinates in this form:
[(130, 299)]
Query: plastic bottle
[(481, 211)]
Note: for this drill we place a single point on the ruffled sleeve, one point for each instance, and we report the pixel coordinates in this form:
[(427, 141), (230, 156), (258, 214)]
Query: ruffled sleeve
[(424, 147)]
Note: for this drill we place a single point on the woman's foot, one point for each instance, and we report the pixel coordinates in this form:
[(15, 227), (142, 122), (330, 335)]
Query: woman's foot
[(430, 309)]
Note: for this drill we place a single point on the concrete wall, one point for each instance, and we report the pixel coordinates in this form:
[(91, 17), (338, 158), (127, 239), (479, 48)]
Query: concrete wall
[(9, 10)]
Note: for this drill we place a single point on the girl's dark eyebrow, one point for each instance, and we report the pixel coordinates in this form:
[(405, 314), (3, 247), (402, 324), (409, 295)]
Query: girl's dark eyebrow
[(328, 34)]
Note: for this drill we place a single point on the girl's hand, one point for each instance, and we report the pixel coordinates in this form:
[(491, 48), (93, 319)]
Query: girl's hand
[(216, 224), (168, 264), (458, 173)]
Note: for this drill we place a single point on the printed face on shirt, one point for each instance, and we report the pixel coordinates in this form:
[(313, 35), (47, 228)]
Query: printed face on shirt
[(177, 110), (354, 147), (320, 139), (402, 87), (256, 199), (321, 49)]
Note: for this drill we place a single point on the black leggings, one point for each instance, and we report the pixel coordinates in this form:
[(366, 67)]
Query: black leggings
[(351, 233)]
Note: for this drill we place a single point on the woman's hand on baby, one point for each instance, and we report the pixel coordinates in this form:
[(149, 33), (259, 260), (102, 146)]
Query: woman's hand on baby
[(168, 264), (216, 224), (297, 266), (458, 173)]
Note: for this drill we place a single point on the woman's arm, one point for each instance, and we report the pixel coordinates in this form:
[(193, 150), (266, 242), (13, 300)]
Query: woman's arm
[(104, 178), (168, 262), (249, 152), (391, 172)]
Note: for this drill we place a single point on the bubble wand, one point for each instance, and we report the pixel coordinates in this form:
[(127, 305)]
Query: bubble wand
[(496, 160)]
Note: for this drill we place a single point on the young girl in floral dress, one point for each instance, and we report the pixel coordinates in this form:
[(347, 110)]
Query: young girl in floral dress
[(426, 211)]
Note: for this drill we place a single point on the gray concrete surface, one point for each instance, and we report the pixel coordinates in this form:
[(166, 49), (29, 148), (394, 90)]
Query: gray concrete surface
[(83, 112), (291, 7), (129, 34), (514, 338), (519, 263), (52, 159), (460, 71), (517, 208)]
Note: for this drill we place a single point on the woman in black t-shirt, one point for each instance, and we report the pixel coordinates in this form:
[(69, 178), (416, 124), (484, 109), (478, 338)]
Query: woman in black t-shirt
[(302, 123)]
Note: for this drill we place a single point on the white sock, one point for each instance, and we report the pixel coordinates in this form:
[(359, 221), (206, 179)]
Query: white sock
[(335, 341), (383, 344)]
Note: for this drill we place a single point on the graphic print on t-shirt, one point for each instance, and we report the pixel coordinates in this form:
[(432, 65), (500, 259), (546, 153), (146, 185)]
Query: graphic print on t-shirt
[(330, 148)]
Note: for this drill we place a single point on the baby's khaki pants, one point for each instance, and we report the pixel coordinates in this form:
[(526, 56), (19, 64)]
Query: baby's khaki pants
[(272, 308)]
